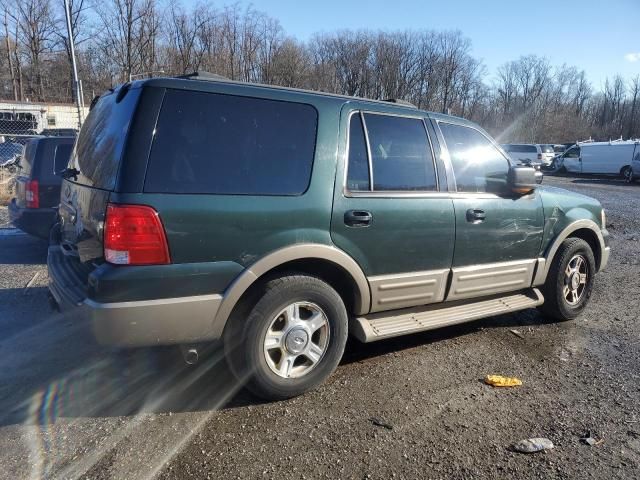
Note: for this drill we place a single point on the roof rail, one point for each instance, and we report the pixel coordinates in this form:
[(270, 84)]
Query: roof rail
[(202, 76), (400, 102)]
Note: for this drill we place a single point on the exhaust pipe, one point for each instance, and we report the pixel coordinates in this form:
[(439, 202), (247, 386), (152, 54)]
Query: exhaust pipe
[(190, 355)]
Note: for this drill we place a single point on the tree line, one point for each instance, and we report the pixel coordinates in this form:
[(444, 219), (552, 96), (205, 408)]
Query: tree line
[(527, 100)]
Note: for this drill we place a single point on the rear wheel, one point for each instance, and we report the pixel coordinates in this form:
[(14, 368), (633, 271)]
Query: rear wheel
[(292, 339), (570, 280)]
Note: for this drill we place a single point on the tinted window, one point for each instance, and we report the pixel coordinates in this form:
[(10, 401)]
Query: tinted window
[(477, 164), (102, 138), (401, 156), (26, 161), (546, 148), (358, 169), (61, 157), (523, 148), (212, 143)]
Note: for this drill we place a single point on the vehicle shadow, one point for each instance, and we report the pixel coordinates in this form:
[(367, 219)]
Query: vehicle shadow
[(65, 374)]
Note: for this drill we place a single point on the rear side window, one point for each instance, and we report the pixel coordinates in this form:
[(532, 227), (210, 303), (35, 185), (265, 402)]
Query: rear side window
[(523, 148), (477, 164), (28, 157), (224, 144), (102, 137)]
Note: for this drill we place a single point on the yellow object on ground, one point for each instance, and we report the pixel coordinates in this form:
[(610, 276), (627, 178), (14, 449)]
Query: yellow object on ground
[(500, 381)]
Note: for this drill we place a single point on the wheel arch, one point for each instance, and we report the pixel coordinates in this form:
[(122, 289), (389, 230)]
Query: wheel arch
[(587, 230), (326, 262)]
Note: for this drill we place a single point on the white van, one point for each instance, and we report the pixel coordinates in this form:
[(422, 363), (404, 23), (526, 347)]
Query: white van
[(606, 158)]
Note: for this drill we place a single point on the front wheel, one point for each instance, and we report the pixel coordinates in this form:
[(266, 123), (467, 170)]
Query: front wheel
[(628, 175), (292, 339), (570, 280)]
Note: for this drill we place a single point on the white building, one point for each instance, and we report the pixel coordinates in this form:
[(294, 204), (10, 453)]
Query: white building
[(29, 118)]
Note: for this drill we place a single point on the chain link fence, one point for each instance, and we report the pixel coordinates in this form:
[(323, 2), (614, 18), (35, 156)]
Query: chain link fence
[(22, 121)]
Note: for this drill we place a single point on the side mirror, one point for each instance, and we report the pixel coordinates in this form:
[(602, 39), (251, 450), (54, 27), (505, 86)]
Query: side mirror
[(523, 179)]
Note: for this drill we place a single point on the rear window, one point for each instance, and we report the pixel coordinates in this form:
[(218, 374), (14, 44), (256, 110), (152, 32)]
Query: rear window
[(546, 148), (522, 148), (101, 141), (61, 157), (224, 144)]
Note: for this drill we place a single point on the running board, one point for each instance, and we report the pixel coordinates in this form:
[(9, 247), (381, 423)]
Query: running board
[(378, 326)]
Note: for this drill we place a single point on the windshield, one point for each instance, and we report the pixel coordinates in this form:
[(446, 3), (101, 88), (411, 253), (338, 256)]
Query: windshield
[(102, 138)]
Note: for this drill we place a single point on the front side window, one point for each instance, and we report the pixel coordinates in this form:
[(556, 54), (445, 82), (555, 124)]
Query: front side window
[(573, 152), (224, 144), (477, 164)]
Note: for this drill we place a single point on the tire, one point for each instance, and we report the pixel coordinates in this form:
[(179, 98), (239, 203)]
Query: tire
[(626, 172), (560, 303), (298, 356), (628, 175)]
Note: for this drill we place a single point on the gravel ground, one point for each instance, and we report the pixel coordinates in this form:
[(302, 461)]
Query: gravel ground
[(69, 408)]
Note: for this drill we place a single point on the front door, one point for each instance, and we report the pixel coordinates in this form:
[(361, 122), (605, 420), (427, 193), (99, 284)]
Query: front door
[(498, 234), (571, 160), (388, 212)]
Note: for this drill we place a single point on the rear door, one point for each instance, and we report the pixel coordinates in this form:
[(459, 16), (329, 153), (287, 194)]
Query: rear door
[(498, 234), (96, 160), (389, 213), (52, 160)]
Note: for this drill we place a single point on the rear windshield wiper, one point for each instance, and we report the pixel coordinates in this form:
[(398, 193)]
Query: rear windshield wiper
[(70, 173)]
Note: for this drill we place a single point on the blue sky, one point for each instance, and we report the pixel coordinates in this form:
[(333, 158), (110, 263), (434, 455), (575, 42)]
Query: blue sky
[(594, 35)]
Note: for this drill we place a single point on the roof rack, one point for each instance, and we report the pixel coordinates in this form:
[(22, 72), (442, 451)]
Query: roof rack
[(202, 76), (400, 102)]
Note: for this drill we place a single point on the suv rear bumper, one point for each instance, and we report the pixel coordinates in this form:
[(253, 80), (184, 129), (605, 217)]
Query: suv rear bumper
[(167, 321), (155, 322)]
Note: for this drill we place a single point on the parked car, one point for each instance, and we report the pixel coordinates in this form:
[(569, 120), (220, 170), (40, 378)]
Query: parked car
[(605, 158), (34, 208), (633, 173), (548, 154), (526, 154), (280, 220)]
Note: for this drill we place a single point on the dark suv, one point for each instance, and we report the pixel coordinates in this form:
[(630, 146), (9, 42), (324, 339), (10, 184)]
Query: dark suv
[(281, 220), (35, 206)]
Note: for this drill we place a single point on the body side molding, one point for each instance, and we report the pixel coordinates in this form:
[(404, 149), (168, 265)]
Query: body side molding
[(288, 254), (401, 290)]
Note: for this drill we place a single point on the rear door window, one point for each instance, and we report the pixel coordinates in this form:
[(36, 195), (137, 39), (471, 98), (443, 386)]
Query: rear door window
[(358, 168), (401, 156), (223, 144)]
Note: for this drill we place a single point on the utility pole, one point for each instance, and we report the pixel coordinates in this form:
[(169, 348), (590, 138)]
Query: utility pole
[(14, 81), (72, 51)]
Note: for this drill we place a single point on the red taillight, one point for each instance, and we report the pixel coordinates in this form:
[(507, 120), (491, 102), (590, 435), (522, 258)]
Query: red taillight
[(539, 156), (32, 194), (134, 235)]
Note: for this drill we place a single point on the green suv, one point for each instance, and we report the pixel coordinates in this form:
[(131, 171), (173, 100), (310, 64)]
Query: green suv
[(280, 221)]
